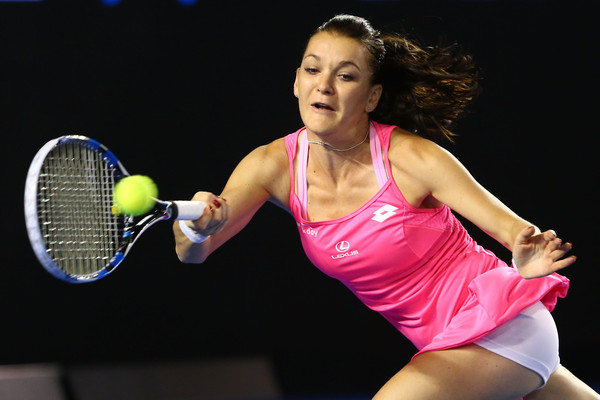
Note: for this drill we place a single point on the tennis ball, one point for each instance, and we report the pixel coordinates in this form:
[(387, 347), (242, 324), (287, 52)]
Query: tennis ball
[(134, 195)]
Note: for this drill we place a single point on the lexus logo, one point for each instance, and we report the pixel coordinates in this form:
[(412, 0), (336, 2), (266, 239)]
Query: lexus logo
[(343, 249), (342, 246)]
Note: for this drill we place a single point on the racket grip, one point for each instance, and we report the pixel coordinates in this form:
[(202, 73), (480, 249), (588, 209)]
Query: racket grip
[(187, 210)]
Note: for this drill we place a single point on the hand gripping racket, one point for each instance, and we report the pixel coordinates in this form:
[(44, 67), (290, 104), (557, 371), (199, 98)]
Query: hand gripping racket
[(68, 210)]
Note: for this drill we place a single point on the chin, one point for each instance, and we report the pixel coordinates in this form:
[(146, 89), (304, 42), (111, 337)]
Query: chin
[(320, 130), (321, 125)]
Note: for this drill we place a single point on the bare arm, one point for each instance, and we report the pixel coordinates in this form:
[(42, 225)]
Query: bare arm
[(434, 174), (261, 176)]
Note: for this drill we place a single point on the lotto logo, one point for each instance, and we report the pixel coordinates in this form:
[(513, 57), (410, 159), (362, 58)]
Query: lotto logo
[(384, 213)]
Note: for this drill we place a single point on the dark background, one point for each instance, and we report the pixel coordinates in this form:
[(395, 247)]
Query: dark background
[(183, 93)]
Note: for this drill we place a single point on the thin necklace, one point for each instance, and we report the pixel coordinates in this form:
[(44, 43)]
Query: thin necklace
[(330, 147)]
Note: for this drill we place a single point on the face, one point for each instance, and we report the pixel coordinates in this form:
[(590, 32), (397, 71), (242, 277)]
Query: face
[(333, 85)]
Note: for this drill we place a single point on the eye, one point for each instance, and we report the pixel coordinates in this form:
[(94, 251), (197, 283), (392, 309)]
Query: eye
[(311, 70), (346, 77)]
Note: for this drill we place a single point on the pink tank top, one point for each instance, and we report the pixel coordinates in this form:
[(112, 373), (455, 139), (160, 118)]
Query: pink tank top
[(418, 268)]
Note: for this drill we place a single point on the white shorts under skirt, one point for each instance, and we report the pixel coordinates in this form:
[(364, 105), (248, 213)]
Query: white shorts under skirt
[(530, 339)]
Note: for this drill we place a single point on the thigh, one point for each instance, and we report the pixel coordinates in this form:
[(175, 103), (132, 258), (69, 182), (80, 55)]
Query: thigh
[(530, 339), (466, 373), (564, 385)]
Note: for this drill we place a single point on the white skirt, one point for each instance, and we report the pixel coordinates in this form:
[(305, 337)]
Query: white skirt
[(529, 339)]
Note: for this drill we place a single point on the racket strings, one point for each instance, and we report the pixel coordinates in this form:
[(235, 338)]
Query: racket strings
[(74, 209)]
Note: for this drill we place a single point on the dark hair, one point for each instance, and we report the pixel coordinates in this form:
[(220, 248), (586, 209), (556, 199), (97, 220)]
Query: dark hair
[(425, 89), (361, 30)]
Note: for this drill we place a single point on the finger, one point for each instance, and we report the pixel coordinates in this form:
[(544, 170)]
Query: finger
[(560, 251), (212, 219), (226, 208), (226, 211), (557, 244), (203, 222), (550, 235), (213, 205), (554, 244), (524, 236), (219, 217), (203, 196), (206, 198), (217, 202), (223, 207), (567, 246), (218, 228), (565, 262)]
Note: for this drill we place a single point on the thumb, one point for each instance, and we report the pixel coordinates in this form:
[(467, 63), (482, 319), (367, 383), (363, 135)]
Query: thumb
[(524, 236)]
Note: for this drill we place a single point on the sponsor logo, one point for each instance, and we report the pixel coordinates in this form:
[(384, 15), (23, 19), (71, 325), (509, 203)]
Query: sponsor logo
[(342, 246), (384, 213), (308, 230), (343, 249)]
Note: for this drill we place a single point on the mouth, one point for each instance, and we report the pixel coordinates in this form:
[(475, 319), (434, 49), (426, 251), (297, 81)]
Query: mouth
[(322, 106)]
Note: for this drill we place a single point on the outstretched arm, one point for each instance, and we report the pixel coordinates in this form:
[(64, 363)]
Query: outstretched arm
[(261, 176), (436, 174)]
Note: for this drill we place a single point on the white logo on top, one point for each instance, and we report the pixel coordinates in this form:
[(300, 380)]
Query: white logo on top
[(343, 248), (384, 213), (308, 230)]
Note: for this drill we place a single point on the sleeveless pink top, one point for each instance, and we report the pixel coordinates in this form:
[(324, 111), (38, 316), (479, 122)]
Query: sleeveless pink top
[(418, 268)]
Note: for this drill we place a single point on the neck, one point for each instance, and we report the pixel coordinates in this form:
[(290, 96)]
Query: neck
[(344, 147), (336, 164)]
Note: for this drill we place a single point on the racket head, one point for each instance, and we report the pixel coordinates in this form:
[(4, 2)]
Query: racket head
[(68, 209)]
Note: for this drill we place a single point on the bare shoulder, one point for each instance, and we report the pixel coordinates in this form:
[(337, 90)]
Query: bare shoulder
[(266, 167), (410, 152), (418, 167), (275, 152), (268, 160)]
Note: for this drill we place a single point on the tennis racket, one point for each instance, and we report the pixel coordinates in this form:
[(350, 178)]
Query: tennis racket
[(69, 210)]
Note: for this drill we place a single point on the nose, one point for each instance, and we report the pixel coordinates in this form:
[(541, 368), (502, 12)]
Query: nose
[(324, 85)]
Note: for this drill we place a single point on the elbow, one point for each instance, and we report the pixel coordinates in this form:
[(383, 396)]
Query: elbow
[(187, 257), (191, 260)]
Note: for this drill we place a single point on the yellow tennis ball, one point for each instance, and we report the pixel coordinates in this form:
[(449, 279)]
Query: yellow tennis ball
[(134, 195)]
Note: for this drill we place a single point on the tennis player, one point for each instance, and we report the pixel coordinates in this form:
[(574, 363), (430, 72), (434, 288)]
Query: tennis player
[(373, 197)]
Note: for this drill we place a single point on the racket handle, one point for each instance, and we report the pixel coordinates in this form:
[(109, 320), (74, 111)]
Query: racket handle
[(187, 210)]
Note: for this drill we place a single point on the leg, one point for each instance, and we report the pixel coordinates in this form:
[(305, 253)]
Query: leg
[(465, 373), (564, 385)]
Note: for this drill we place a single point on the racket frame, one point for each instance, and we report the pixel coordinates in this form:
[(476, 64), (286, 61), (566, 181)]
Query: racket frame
[(163, 210)]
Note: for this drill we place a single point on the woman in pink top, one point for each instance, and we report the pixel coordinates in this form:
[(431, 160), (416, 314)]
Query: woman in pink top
[(373, 203)]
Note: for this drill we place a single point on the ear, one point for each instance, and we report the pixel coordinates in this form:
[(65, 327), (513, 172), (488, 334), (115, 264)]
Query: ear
[(296, 83), (374, 97)]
